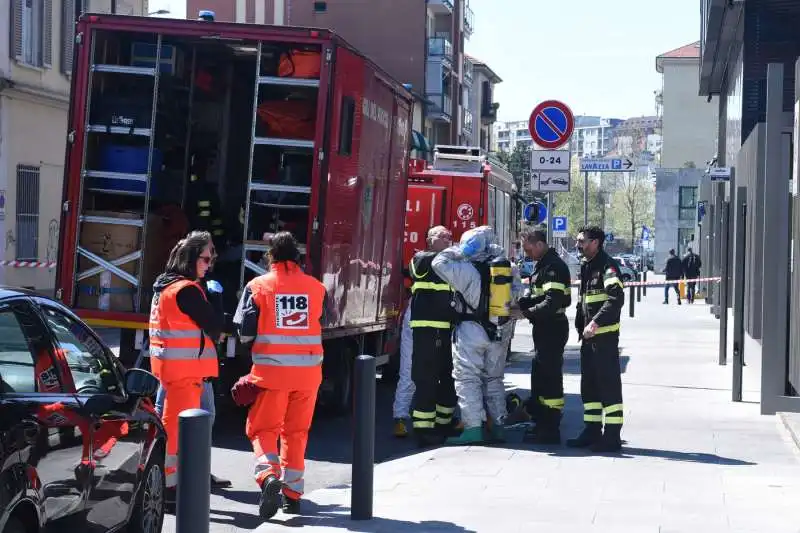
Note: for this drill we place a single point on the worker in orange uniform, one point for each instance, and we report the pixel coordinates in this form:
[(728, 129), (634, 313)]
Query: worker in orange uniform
[(183, 330), (281, 313)]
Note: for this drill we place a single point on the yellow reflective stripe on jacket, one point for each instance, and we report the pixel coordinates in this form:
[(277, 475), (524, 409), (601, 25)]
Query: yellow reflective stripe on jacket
[(594, 298), (429, 286), (607, 329), (554, 285), (614, 280), (414, 271), (429, 324)]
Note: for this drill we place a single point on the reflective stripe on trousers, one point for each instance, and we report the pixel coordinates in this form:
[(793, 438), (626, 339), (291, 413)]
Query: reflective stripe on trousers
[(171, 471), (594, 412), (267, 465)]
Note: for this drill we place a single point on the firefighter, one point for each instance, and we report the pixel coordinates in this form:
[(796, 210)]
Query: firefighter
[(546, 310), (184, 328), (203, 206), (480, 277), (281, 312), (600, 302), (432, 361)]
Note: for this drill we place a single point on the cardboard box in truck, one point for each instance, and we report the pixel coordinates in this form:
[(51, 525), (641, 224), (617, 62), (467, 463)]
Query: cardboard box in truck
[(277, 128)]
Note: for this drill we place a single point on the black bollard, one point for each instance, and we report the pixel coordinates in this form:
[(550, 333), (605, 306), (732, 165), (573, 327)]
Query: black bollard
[(644, 287), (631, 301), (364, 439), (194, 472), (639, 288)]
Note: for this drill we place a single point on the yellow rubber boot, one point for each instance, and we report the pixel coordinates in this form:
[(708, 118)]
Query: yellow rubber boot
[(400, 429)]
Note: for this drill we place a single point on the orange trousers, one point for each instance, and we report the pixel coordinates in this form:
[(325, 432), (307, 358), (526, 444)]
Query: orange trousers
[(286, 414), (180, 395)]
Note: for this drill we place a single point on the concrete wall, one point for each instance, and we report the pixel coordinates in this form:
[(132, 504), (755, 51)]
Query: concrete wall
[(689, 122), (667, 219)]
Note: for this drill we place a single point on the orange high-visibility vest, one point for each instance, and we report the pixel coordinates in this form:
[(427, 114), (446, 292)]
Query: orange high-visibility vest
[(179, 349), (287, 351)]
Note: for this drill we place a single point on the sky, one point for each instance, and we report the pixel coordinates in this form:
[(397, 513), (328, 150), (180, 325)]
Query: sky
[(597, 57)]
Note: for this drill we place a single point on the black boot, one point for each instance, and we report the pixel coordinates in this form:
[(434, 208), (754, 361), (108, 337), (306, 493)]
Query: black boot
[(270, 500), (611, 441), (543, 435), (591, 434), (291, 505), (429, 437)]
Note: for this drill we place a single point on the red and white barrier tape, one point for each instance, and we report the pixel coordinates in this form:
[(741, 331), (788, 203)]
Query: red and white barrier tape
[(665, 282), (28, 264)]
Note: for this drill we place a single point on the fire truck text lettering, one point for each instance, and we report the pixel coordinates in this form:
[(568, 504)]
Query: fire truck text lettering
[(373, 111)]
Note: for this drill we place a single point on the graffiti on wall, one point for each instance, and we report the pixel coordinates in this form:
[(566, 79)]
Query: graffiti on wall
[(10, 240)]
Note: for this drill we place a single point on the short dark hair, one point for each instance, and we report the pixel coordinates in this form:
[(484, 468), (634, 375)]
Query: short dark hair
[(184, 255), (532, 235), (672, 251), (283, 247), (594, 232)]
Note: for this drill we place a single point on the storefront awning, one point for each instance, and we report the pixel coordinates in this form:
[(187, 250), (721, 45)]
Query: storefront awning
[(419, 142)]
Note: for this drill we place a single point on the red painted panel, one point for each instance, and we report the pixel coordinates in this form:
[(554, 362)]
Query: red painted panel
[(424, 209)]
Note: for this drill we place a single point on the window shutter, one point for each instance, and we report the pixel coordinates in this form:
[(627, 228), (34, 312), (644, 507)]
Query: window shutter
[(16, 30), (67, 36), (47, 33)]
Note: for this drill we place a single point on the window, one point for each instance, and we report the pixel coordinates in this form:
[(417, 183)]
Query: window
[(490, 209), (91, 369), (32, 36), (687, 203), (346, 123), (685, 238), (17, 372), (27, 213)]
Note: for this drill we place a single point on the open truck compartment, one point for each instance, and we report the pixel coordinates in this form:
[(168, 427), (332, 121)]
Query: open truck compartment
[(241, 130)]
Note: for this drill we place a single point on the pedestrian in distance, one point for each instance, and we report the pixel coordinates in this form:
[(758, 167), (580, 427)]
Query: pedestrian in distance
[(545, 308), (673, 271), (184, 329), (600, 301), (691, 270), (281, 314)]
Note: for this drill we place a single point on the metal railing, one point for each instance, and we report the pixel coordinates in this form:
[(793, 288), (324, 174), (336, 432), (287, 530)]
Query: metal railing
[(468, 121), (468, 70), (469, 20)]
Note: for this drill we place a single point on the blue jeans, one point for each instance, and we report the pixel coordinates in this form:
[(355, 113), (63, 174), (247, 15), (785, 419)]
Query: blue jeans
[(206, 400)]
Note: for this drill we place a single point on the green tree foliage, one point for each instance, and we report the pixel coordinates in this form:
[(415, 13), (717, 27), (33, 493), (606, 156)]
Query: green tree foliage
[(632, 205)]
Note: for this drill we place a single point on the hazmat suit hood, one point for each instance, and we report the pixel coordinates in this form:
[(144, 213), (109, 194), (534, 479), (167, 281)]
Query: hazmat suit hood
[(480, 244)]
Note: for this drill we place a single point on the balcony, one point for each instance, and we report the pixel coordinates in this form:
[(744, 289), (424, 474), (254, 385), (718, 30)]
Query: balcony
[(441, 7), (469, 22), (440, 107), (468, 71), (468, 120), (440, 48), (489, 112)]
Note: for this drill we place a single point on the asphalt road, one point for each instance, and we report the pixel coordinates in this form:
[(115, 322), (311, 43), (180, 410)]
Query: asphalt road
[(328, 457)]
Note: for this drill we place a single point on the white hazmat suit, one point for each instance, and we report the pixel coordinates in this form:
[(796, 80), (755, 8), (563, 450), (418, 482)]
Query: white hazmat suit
[(478, 361), (405, 385)]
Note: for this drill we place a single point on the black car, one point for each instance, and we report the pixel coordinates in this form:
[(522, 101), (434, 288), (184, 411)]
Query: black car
[(81, 446)]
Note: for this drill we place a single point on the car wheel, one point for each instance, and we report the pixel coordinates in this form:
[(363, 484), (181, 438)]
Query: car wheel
[(14, 526), (338, 380), (148, 513)]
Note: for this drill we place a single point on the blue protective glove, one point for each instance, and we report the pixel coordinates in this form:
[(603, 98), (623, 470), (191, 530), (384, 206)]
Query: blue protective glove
[(471, 246), (214, 286)]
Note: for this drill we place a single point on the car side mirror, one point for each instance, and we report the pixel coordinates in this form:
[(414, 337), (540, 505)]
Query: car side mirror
[(140, 382)]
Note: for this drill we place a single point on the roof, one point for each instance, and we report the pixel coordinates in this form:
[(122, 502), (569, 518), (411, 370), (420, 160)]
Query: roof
[(492, 75), (689, 51)]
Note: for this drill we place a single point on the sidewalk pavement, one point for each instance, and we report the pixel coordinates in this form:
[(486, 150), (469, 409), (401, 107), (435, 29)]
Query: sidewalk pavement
[(694, 461)]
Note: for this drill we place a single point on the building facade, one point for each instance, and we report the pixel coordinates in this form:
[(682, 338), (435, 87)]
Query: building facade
[(481, 112), (676, 212), (430, 33), (748, 58), (689, 121), (35, 70)]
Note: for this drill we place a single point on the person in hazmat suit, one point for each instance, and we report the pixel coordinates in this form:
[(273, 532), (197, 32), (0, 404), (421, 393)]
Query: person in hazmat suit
[(479, 275)]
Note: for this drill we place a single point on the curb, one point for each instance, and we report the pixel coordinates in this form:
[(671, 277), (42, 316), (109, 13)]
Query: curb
[(791, 421)]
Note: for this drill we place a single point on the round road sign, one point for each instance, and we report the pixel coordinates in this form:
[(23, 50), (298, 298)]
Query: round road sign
[(551, 124)]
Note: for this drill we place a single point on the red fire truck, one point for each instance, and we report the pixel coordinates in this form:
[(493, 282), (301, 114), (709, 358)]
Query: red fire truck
[(462, 189), (297, 131)]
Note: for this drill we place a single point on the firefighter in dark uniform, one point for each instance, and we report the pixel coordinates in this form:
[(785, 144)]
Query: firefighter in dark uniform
[(545, 308), (203, 206), (600, 302), (434, 399)]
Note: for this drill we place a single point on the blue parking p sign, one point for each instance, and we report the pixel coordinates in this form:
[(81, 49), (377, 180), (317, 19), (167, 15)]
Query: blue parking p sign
[(559, 226)]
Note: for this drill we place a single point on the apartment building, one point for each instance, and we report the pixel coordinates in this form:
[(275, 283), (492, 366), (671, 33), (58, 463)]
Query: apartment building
[(593, 135), (35, 68), (480, 113), (419, 42)]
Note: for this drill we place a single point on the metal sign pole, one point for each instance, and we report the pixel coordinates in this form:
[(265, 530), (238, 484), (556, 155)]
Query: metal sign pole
[(585, 198), (550, 238)]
